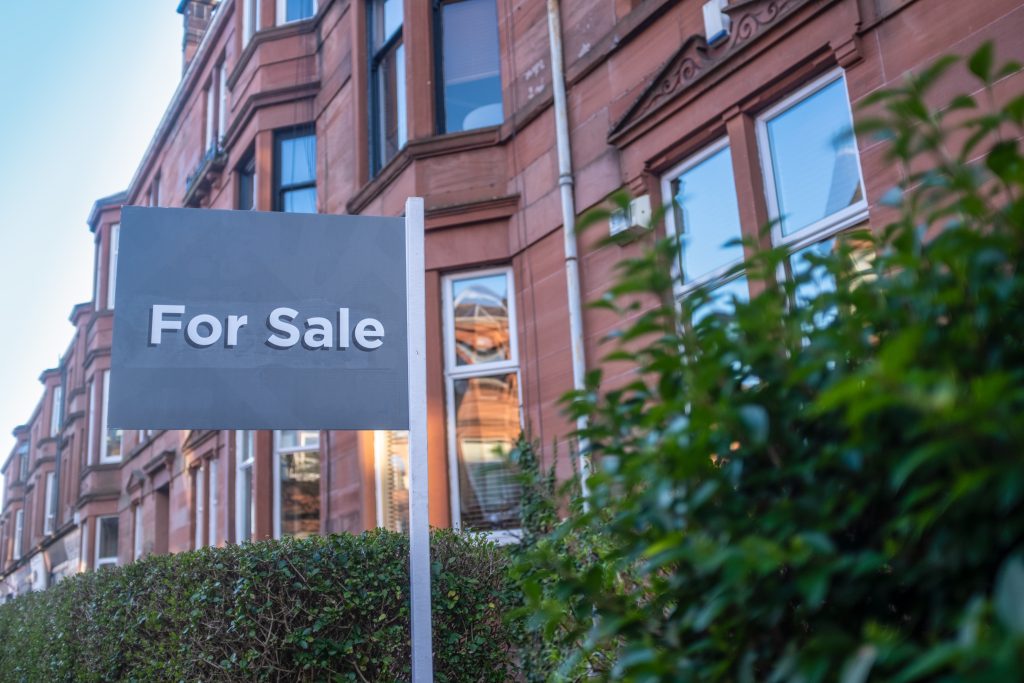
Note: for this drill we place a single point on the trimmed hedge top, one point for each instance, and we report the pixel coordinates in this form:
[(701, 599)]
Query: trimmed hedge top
[(325, 608)]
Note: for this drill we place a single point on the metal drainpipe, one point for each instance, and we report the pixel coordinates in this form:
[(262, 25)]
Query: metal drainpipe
[(572, 271)]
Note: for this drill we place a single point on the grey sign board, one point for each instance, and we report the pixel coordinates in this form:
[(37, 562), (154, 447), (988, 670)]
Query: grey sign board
[(249, 320)]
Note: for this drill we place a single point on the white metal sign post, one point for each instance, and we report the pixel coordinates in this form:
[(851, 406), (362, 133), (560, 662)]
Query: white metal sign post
[(419, 521)]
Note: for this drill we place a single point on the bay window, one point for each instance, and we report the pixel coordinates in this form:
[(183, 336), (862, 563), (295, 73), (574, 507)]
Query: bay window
[(115, 232), (296, 483), (50, 500), (19, 528), (110, 439), (295, 10), (55, 406), (106, 542), (483, 402), (198, 506), (295, 170)]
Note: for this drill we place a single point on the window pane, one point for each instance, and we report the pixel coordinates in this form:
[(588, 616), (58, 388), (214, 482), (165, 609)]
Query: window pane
[(300, 493), (392, 455), (299, 201), (723, 299), (707, 216), (387, 20), (294, 438), (298, 9), (247, 185), (486, 425), (814, 158), (472, 76), (108, 537), (244, 511), (297, 160), (390, 106), (481, 317)]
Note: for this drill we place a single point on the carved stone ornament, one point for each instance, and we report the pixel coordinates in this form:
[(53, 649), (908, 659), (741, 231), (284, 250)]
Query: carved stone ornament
[(696, 59)]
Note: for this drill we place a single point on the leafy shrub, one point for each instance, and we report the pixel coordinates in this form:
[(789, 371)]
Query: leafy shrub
[(825, 491), (322, 608)]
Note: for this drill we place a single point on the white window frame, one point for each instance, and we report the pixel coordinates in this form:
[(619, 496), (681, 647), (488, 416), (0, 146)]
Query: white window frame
[(250, 20), (199, 505), (222, 104), (104, 458), (455, 372), (50, 514), (829, 225), (210, 132), (681, 288), (137, 531), (19, 530), (213, 502), (55, 400), (110, 560), (248, 436), (90, 418), (282, 12), (112, 248), (278, 452)]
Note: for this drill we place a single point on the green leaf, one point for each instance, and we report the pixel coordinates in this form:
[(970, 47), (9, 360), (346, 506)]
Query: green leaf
[(980, 63)]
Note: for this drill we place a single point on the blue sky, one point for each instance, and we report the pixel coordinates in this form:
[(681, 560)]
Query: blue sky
[(84, 85)]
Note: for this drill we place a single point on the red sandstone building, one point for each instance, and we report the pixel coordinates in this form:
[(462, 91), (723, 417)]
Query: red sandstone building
[(350, 106)]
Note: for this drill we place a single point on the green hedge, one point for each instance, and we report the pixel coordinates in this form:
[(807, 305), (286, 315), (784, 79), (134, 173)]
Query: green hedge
[(331, 608)]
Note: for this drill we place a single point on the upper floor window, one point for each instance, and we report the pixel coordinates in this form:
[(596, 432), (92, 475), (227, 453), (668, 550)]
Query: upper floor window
[(250, 19), (295, 170), (50, 519), (23, 461), (115, 233), (210, 131), (388, 129), (482, 381), (19, 528), (296, 483), (470, 72), (154, 191), (247, 183), (106, 541), (222, 102), (55, 410), (110, 439), (295, 10)]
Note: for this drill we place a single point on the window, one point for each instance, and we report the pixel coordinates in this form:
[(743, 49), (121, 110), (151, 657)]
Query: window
[(154, 191), (50, 520), (295, 10), (106, 542), (296, 483), (222, 103), (705, 217), (245, 511), (198, 506), (250, 19), (210, 131), (110, 443), (23, 461), (247, 183), (482, 379), (83, 546), (388, 130), (115, 231), (811, 166), (55, 409), (137, 531), (391, 455), (19, 527), (89, 420), (295, 171), (213, 500), (470, 75)]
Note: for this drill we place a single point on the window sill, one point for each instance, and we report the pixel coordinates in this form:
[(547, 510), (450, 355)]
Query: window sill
[(422, 148)]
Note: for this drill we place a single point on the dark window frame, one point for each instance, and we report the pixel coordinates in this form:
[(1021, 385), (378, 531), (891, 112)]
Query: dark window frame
[(241, 171), (440, 114), (375, 57), (280, 135)]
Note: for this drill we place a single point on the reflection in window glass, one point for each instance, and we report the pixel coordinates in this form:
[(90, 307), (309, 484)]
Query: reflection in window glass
[(480, 312), (391, 451), (245, 447), (722, 299), (707, 216), (486, 426), (814, 158), (298, 482), (471, 73), (106, 543), (298, 9)]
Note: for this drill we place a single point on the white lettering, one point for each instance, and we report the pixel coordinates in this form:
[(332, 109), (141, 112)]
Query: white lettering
[(157, 324), (319, 334), (277, 323), (369, 334), (194, 336), (234, 324), (343, 335)]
